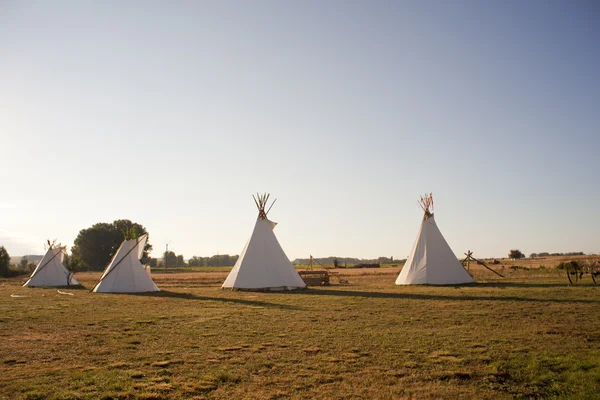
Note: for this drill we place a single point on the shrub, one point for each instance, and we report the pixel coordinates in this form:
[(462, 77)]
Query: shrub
[(516, 254), (4, 261), (16, 271)]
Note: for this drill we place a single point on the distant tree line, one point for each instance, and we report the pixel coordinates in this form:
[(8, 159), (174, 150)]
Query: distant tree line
[(546, 254), (177, 261), (348, 260), (219, 260)]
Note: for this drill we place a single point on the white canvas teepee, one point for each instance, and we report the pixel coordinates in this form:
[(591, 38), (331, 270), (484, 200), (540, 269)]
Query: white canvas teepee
[(263, 264), (125, 273), (50, 271), (431, 260)]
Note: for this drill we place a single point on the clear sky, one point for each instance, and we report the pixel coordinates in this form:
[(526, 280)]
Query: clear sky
[(172, 113)]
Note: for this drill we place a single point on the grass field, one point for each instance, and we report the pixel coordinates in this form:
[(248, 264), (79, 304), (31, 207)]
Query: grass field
[(529, 335)]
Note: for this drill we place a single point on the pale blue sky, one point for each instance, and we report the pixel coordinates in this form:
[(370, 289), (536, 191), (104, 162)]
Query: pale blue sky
[(173, 113)]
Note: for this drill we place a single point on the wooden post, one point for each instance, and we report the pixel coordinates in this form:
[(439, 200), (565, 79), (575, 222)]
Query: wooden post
[(469, 260), (166, 257)]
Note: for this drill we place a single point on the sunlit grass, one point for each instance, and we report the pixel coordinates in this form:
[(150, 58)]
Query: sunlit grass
[(529, 335)]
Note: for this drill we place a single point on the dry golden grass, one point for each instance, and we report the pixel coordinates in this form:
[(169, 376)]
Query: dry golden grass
[(529, 335)]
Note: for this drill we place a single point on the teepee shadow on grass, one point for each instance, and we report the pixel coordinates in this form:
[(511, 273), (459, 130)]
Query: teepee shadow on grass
[(191, 296), (503, 285), (78, 287), (436, 297)]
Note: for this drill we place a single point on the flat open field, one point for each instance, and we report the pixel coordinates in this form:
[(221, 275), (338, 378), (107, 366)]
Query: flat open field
[(529, 335)]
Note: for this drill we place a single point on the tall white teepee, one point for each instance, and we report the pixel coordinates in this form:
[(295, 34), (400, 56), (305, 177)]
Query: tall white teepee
[(50, 271), (431, 260), (263, 264), (125, 273)]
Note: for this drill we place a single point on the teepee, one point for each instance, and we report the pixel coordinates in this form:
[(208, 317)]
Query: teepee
[(431, 261), (125, 273), (50, 271), (263, 264)]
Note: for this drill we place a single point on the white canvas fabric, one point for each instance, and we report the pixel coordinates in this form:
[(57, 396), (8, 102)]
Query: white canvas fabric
[(263, 264), (431, 260), (50, 271), (125, 273)]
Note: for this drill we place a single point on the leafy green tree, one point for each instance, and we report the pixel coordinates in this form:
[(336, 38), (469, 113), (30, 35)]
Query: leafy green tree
[(95, 246), (180, 261), (197, 262), (4, 261), (72, 265), (221, 260), (170, 258), (24, 262)]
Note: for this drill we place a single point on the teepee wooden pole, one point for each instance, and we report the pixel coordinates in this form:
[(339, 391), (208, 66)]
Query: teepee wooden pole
[(261, 203), (271, 206)]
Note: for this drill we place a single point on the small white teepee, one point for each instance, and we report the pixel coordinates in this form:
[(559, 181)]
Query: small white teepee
[(50, 271), (125, 273), (263, 264), (431, 261)]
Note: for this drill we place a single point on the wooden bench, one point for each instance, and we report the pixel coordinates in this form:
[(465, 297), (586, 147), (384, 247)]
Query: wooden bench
[(315, 278)]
